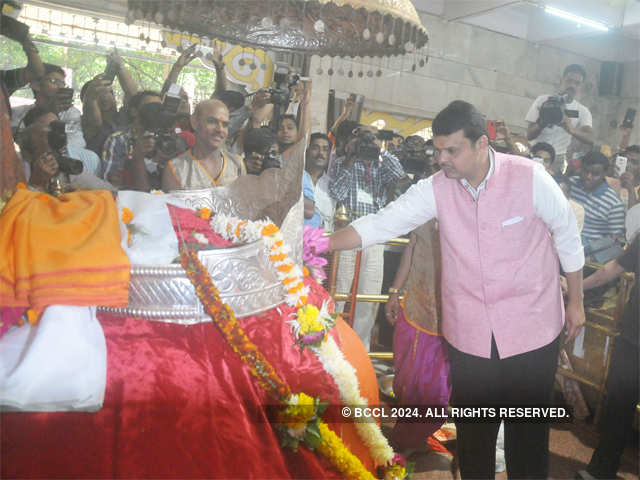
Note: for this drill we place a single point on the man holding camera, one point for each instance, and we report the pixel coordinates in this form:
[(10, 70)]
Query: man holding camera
[(557, 119), (360, 181), (123, 146), (44, 150), (100, 114)]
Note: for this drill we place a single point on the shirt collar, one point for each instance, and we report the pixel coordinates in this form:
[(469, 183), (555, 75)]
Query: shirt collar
[(475, 192)]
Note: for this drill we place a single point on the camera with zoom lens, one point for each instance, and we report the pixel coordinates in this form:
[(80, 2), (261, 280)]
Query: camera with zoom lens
[(415, 155), (365, 147), (159, 119), (57, 139), (283, 83), (271, 159), (553, 109)]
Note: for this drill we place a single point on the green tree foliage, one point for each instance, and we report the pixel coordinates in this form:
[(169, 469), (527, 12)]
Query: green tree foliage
[(85, 64)]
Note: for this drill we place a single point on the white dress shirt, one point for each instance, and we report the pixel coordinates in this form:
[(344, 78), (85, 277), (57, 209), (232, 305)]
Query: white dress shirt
[(418, 205)]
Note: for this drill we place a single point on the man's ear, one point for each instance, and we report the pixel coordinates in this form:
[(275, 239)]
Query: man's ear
[(482, 142)]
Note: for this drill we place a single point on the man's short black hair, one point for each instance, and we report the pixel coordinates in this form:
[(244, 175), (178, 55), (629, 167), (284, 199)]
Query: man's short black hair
[(460, 115), (397, 135), (595, 157), (319, 135), (35, 113), (345, 129), (575, 68), (232, 99), (632, 149), (259, 140), (134, 102), (51, 68), (545, 147), (287, 116), (83, 90)]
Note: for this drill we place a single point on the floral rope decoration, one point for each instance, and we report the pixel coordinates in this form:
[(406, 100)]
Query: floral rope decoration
[(307, 426), (310, 327), (235, 336)]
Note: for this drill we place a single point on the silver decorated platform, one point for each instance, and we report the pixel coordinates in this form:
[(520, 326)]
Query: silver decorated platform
[(247, 282)]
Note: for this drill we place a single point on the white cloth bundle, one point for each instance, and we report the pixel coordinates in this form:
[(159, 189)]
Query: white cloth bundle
[(58, 365)]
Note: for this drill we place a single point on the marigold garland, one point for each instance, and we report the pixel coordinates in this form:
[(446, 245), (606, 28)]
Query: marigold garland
[(330, 445)]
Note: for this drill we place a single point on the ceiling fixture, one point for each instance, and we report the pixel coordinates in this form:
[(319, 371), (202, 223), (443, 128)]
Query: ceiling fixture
[(575, 18), (346, 29)]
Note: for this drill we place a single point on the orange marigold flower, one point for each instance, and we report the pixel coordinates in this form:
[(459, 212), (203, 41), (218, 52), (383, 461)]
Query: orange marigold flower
[(305, 270), (205, 213), (297, 288), (239, 227), (288, 280), (21, 185), (44, 198), (278, 258), (277, 245), (33, 316), (269, 230), (286, 268), (127, 215), (304, 299)]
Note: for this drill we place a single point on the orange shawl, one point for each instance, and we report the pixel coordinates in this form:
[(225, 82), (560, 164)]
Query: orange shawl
[(63, 251)]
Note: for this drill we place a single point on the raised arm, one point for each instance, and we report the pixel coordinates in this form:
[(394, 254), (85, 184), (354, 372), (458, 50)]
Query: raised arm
[(125, 79), (305, 111), (183, 60), (218, 63)]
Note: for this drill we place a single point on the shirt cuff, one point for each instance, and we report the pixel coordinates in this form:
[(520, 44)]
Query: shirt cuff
[(365, 228), (572, 262)]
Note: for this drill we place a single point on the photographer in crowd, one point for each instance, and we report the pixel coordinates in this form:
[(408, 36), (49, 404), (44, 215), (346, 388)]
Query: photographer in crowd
[(119, 147), (207, 164), (261, 150), (360, 180), (100, 114), (51, 92), (45, 153), (557, 119)]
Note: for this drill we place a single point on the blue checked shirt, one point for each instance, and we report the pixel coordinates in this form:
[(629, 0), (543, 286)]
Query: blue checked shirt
[(362, 188)]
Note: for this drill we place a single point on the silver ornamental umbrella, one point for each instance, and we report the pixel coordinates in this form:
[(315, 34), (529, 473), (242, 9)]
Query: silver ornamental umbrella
[(337, 28)]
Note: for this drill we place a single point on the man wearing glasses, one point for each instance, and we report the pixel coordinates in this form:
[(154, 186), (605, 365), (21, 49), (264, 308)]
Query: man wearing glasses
[(50, 92)]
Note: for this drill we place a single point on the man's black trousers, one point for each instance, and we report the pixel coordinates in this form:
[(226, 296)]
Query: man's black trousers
[(521, 380)]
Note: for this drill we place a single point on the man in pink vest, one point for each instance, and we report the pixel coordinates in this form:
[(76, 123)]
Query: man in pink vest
[(505, 226)]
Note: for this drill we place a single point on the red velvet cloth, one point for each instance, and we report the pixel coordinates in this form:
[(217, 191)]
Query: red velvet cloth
[(179, 404)]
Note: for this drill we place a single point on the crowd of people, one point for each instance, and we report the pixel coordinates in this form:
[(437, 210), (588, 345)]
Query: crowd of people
[(488, 265)]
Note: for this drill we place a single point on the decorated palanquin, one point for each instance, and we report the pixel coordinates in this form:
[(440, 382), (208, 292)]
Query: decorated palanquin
[(212, 353)]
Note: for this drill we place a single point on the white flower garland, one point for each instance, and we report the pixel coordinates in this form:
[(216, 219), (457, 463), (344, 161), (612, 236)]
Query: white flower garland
[(328, 353), (343, 373)]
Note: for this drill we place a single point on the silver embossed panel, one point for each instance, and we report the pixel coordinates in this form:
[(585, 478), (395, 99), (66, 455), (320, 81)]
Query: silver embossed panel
[(244, 276)]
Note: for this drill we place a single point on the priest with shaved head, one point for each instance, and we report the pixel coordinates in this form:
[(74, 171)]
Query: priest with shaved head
[(207, 164)]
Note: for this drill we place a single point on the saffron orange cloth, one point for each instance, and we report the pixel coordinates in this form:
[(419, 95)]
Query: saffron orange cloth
[(63, 251)]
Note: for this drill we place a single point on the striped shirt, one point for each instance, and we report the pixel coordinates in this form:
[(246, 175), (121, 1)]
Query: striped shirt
[(362, 188), (603, 209)]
